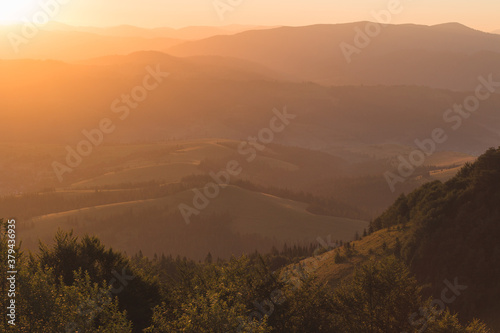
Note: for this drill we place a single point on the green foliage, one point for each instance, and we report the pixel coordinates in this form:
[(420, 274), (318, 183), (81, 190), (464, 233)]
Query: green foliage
[(307, 309), (68, 286), (214, 298), (44, 303), (455, 233), (397, 213), (448, 323), (380, 298), (68, 261)]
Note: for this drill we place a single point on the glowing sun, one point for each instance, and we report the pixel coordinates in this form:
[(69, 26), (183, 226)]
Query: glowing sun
[(12, 11)]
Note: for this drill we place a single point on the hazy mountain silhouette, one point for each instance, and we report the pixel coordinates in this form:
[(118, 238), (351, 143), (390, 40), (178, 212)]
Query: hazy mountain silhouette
[(229, 68), (187, 33), (188, 105), (63, 42), (447, 56), (444, 56), (75, 45)]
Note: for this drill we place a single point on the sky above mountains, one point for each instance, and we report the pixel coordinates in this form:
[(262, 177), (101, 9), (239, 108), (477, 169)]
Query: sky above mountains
[(481, 14)]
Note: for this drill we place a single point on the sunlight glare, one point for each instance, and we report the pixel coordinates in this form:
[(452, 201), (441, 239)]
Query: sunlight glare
[(13, 11)]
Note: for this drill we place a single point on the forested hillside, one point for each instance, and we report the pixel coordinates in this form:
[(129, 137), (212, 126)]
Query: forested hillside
[(456, 233), (78, 284)]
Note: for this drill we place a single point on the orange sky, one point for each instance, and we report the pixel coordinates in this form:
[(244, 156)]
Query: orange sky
[(480, 14)]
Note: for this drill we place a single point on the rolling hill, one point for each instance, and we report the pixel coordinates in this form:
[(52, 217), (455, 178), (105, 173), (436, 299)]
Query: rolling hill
[(264, 219), (354, 177), (327, 117)]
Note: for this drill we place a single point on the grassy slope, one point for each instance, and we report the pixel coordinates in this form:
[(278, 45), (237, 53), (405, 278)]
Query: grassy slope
[(369, 247), (323, 266)]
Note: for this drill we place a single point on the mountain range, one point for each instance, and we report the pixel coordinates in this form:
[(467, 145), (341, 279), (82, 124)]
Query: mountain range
[(399, 55)]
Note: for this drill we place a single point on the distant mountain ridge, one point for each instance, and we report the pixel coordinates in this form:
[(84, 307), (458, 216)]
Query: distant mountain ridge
[(445, 56), (187, 33), (405, 54), (64, 42)]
